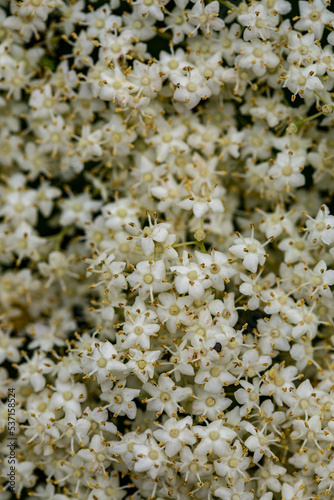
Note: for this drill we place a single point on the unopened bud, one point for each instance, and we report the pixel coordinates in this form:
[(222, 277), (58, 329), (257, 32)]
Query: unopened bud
[(199, 235), (327, 109), (292, 128)]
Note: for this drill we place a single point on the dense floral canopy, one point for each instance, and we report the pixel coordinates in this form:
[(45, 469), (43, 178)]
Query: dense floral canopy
[(166, 249)]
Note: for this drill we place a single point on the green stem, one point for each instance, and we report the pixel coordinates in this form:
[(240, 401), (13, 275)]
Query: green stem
[(300, 123), (316, 115), (239, 298), (58, 237), (185, 243), (227, 4), (321, 98), (201, 246)]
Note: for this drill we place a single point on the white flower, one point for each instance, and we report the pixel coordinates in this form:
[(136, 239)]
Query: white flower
[(68, 397), (214, 438), (120, 399), (313, 16), (149, 457), (9, 347), (149, 277), (250, 250), (303, 81), (175, 434), (190, 88), (174, 311), (101, 361), (260, 22), (258, 56), (34, 370), (259, 442), (165, 395), (97, 457), (190, 278), (322, 227), (206, 17), (142, 363), (233, 463)]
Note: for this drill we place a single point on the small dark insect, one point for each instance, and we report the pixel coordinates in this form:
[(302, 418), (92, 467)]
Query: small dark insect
[(217, 347)]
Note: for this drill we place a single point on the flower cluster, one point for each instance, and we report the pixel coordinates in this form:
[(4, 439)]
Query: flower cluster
[(167, 249)]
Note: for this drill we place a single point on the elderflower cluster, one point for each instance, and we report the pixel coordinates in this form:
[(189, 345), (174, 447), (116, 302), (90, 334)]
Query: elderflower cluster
[(167, 249)]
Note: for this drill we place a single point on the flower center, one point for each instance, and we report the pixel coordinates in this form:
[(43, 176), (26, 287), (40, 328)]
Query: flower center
[(141, 364), (215, 372), (287, 171), (117, 84), (116, 137), (178, 20), (55, 137), (301, 80), (274, 333), (252, 247), (192, 275), (210, 402), (174, 310), (118, 399), (279, 381), (99, 23), (233, 463), (208, 73), (148, 278), (214, 435), (145, 81), (214, 269), (253, 396), (138, 330), (68, 395), (258, 52), (304, 404), (121, 212), (164, 396), (173, 64), (227, 43), (193, 467), (314, 458), (300, 245), (102, 362), (115, 48), (137, 24), (174, 433), (100, 457), (153, 455), (167, 138), (320, 226), (191, 87)]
